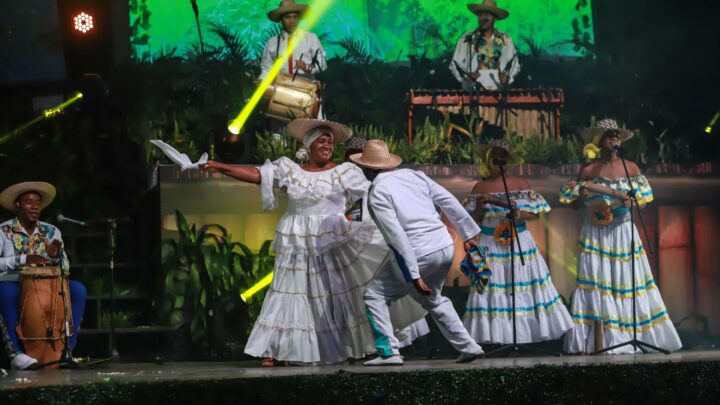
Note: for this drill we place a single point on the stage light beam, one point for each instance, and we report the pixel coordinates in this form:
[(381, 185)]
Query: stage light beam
[(49, 113), (257, 287), (709, 127), (316, 10)]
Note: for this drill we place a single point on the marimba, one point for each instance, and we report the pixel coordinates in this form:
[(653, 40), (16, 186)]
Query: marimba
[(526, 111)]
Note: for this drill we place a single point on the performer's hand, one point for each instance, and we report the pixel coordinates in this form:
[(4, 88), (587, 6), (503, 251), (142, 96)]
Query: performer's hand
[(473, 76), (37, 260), (53, 248), (503, 78), (583, 192), (302, 65), (211, 166), (626, 199), (421, 287), (468, 244)]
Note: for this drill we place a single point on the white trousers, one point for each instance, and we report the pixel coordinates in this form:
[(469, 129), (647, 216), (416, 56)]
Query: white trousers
[(388, 286)]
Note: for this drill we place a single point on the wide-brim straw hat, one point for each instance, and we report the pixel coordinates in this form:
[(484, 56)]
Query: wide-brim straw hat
[(300, 127), (491, 7), (602, 126), (10, 195), (376, 155), (286, 6), (482, 150)]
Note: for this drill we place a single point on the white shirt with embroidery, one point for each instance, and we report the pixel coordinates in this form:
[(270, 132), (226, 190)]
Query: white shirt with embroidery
[(474, 54)]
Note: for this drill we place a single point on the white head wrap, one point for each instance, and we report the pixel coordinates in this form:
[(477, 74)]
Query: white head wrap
[(304, 152)]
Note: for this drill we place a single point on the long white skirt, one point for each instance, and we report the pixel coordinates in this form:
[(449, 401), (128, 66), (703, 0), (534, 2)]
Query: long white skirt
[(314, 312), (604, 293), (540, 312)]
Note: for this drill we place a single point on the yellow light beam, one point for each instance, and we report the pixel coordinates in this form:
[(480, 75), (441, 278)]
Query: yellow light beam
[(316, 10), (709, 127), (257, 287), (49, 113)]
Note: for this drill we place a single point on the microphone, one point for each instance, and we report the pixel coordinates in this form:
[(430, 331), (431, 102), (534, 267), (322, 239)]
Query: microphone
[(499, 162), (63, 218)]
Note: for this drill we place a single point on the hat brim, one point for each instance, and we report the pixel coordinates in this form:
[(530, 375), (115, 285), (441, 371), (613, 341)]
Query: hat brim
[(391, 162), (301, 126), (276, 15), (10, 195), (499, 13), (482, 149), (588, 134)]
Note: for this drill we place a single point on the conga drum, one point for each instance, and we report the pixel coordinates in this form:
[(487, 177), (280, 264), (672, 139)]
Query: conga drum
[(40, 327), (287, 98)]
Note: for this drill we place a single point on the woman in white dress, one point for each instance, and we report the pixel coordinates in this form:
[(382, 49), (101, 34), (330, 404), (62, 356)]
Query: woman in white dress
[(540, 312), (313, 312), (602, 303)]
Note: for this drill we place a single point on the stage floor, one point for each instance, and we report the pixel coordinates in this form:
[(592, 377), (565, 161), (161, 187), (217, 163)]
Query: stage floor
[(193, 371)]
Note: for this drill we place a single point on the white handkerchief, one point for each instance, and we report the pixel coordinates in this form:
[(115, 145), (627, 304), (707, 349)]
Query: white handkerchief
[(180, 159)]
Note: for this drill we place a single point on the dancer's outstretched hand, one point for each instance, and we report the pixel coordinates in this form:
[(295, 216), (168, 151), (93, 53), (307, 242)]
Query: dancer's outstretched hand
[(421, 287)]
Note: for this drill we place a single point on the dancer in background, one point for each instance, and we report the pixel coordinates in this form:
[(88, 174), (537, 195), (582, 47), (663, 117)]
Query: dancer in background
[(540, 312), (602, 303)]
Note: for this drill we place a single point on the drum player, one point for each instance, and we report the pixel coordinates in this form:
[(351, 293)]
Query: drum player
[(308, 57), (27, 241), (288, 14)]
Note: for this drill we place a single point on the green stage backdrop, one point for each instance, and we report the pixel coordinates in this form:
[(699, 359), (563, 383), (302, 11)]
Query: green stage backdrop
[(390, 30)]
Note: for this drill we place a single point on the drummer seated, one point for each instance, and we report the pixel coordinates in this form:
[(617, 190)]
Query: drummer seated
[(26, 241)]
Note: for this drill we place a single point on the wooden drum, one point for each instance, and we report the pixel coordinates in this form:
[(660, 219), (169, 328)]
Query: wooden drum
[(287, 99), (40, 327)]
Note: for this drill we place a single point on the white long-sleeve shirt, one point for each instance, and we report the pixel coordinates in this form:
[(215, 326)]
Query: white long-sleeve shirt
[(487, 66), (404, 204), (304, 50), (16, 245)]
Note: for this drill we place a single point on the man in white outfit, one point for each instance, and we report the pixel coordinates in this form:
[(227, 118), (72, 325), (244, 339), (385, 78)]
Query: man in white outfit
[(404, 204), (308, 57)]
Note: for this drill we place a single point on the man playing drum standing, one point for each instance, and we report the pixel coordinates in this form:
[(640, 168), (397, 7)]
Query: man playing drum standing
[(26, 241), (301, 61), (307, 59)]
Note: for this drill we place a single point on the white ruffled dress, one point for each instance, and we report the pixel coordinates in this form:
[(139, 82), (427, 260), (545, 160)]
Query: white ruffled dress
[(540, 312), (314, 311), (604, 276)]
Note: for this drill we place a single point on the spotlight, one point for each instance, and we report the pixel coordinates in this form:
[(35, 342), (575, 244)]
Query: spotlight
[(83, 22)]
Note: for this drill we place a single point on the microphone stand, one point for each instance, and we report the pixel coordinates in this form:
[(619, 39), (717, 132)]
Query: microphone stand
[(515, 239), (112, 227), (635, 342), (503, 109)]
